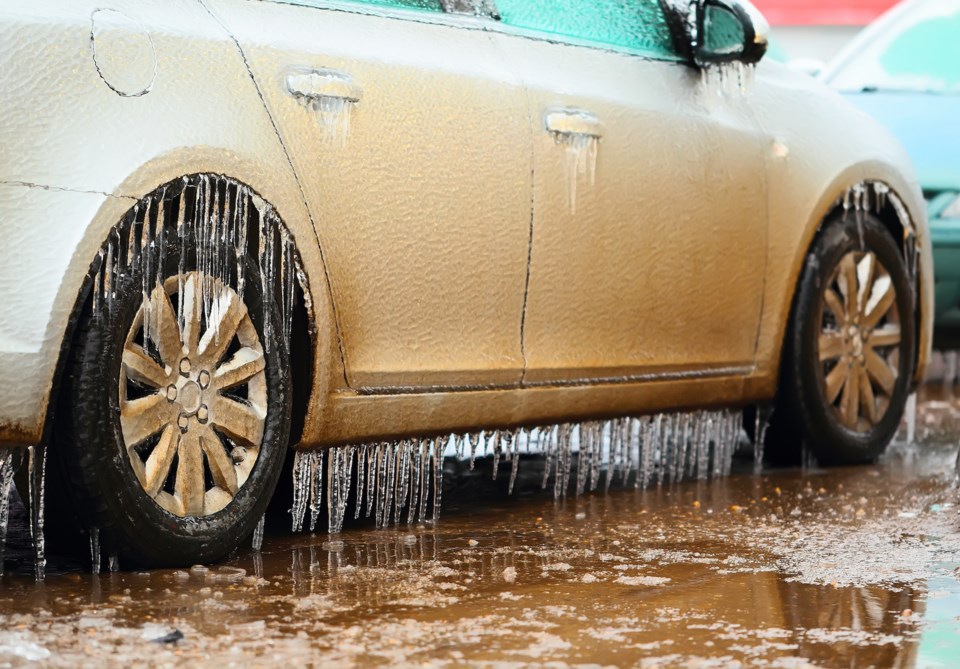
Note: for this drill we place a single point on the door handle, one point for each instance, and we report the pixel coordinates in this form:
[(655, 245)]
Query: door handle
[(573, 122), (317, 84)]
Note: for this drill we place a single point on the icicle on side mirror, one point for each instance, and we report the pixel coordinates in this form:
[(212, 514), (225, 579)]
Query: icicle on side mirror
[(728, 31)]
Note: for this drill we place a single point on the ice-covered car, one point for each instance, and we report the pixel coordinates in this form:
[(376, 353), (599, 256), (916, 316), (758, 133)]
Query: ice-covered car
[(904, 70), (233, 227)]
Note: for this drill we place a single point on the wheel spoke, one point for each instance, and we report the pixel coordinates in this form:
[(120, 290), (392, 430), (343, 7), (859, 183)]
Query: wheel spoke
[(165, 330), (189, 486), (889, 335), (144, 417), (836, 380), (831, 346), (158, 464), (141, 368), (867, 399), (215, 499), (243, 366), (239, 421), (227, 314), (879, 371), (881, 300), (192, 309), (850, 402), (848, 284), (835, 305), (221, 465)]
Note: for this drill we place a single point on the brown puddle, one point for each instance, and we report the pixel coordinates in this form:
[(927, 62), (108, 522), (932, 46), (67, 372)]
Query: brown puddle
[(853, 567)]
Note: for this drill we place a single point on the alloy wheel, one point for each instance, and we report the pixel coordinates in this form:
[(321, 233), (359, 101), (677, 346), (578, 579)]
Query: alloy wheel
[(193, 395), (859, 340)]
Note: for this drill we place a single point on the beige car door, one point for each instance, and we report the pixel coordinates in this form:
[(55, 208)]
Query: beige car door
[(649, 239), (412, 146)]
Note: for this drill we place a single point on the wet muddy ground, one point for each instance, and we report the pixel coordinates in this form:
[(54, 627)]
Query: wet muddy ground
[(853, 567)]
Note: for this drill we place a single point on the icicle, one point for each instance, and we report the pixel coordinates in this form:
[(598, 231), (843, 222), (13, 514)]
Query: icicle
[(114, 563), (416, 468), (549, 441), (315, 482), (515, 460), (403, 480), (473, 448), (581, 154), (424, 477), (496, 454), (37, 482), (361, 480), (6, 485), (98, 287), (583, 457), (911, 417), (302, 461), (762, 422), (257, 543), (373, 460), (437, 479), (95, 563), (596, 445)]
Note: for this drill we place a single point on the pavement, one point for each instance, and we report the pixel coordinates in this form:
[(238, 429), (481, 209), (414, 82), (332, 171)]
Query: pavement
[(804, 567)]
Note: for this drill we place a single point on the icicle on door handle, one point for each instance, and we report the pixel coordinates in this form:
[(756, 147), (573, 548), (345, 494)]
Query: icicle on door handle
[(579, 132), (330, 94)]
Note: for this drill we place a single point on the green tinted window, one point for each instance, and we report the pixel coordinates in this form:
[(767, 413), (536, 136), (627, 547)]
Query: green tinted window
[(920, 51), (637, 25), (428, 5)]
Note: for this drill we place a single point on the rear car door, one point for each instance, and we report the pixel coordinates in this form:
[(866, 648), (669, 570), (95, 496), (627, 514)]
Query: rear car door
[(649, 239), (411, 141)]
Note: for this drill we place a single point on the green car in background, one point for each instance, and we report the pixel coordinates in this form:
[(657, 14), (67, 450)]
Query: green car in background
[(904, 70)]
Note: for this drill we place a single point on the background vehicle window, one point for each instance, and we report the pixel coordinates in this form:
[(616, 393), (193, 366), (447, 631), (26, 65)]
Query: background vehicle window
[(633, 24), (920, 52)]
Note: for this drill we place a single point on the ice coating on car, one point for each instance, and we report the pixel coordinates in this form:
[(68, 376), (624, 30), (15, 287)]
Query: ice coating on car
[(404, 478)]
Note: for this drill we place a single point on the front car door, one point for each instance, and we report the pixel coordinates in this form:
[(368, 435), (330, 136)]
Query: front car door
[(411, 141), (649, 239)]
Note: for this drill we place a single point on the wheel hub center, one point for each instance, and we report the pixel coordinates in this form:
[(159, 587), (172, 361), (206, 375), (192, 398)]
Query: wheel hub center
[(856, 341), (190, 397)]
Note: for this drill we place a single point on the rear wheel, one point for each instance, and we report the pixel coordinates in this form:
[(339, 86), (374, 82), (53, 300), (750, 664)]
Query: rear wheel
[(175, 414), (849, 354)]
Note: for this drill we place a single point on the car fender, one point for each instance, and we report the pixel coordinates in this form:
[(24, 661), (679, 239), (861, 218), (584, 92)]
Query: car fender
[(78, 155), (821, 146)]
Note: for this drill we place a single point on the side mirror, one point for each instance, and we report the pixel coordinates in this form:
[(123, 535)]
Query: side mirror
[(728, 31)]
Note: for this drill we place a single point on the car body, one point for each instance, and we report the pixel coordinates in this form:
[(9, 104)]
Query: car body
[(903, 70), (518, 215)]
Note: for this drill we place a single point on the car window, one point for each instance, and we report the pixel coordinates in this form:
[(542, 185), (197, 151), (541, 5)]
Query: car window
[(637, 25), (919, 52), (426, 5), (429, 5)]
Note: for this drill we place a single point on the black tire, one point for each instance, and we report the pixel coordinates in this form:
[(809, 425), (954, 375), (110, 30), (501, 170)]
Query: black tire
[(803, 413), (89, 449)]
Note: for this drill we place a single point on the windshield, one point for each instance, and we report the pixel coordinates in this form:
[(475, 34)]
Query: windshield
[(920, 51)]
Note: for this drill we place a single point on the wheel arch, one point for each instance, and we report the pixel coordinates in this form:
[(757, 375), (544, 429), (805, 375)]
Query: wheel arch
[(317, 366), (899, 206)]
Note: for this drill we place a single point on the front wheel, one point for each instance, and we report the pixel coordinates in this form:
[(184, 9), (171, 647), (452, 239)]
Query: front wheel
[(850, 348), (175, 415)]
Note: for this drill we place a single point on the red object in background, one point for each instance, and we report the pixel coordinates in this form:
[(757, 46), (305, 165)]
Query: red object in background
[(822, 12)]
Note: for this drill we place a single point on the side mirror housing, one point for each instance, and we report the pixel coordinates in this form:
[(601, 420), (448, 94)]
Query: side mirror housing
[(728, 31)]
